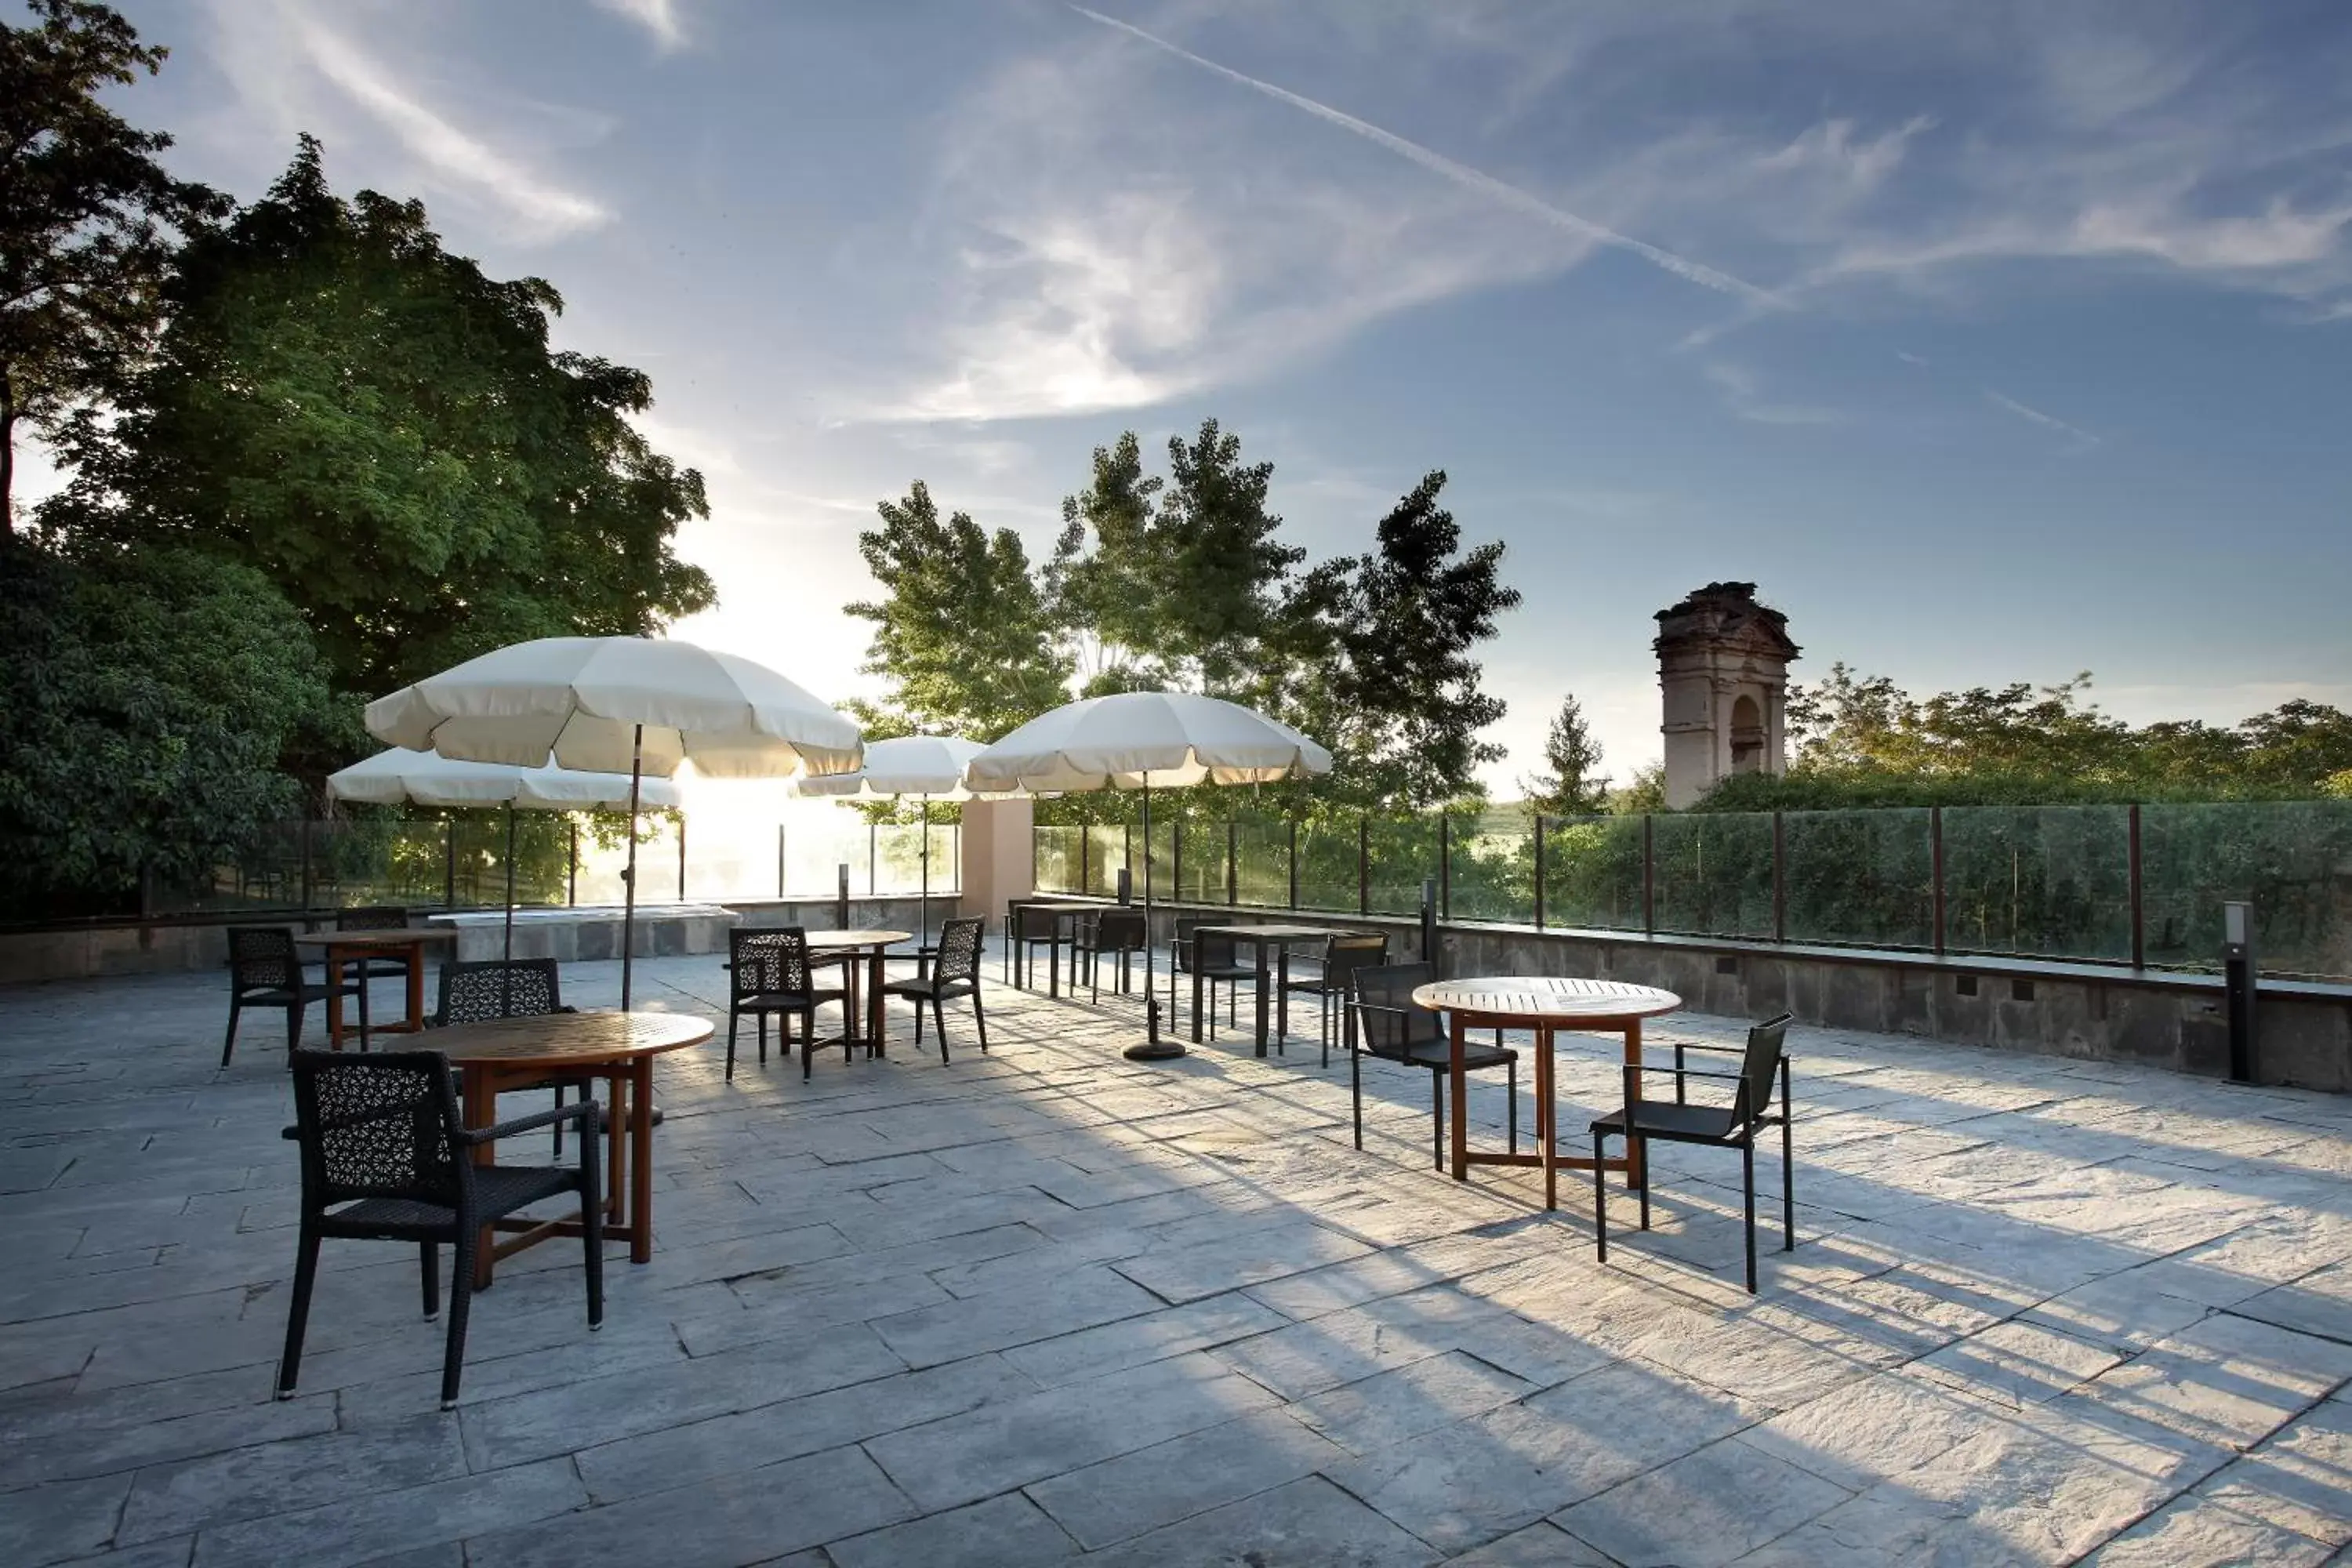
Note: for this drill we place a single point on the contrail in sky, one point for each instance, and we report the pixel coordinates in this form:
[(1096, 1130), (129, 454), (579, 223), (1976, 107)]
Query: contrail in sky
[(2047, 421), (1462, 174)]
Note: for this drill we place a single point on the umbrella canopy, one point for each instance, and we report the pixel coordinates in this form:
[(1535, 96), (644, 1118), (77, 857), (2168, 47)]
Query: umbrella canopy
[(427, 778), (589, 702), (930, 765), (1166, 738)]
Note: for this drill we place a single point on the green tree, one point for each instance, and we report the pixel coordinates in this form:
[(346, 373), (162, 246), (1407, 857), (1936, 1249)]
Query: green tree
[(383, 431), (1575, 786), (961, 631), (1101, 581), (87, 219), (149, 695), (1398, 700)]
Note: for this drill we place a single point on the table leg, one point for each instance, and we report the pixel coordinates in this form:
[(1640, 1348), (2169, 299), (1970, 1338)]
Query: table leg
[(415, 1018), (1546, 1115), (875, 1018), (481, 1108), (1053, 963), (333, 968), (1259, 966), (1637, 1163), (1196, 990), (1282, 989), (623, 1214), (1460, 1075), (640, 1134)]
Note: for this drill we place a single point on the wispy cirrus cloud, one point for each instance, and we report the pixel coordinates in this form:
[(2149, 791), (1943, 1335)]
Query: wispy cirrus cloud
[(1743, 393), (658, 17), (2082, 439)]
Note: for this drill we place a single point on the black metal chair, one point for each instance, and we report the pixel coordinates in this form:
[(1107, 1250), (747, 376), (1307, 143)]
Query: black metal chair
[(1219, 958), (1331, 984), (265, 971), (386, 1157), (1732, 1126), (1035, 925), (769, 972), (955, 973), (477, 991), (1391, 1027), (1113, 933), (376, 916)]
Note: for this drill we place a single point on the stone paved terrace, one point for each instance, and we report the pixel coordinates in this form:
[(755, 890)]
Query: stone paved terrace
[(1047, 1303)]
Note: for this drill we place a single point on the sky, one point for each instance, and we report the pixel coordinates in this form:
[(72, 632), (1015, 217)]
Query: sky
[(1995, 341)]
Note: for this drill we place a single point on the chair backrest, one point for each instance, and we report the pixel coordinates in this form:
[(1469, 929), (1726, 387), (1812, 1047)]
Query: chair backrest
[(1194, 950), (382, 1125), (498, 988), (1762, 1062), (263, 958), (768, 960), (960, 948), (1038, 923), (1348, 951), (372, 917), (1385, 1009), (1120, 930)]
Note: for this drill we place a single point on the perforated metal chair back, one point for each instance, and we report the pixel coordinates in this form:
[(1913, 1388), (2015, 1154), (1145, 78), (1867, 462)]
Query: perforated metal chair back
[(770, 962), (1209, 952), (494, 988), (1762, 1063), (960, 948), (372, 917), (378, 1126), (1120, 930), (262, 958), (1391, 1024)]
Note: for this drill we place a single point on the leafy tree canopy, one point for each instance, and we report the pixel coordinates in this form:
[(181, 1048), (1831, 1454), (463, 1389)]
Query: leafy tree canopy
[(962, 632), (87, 217), (149, 695), (1863, 741), (1575, 786), (383, 432)]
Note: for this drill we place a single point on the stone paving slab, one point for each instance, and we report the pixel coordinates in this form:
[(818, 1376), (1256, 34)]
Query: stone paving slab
[(1047, 1304)]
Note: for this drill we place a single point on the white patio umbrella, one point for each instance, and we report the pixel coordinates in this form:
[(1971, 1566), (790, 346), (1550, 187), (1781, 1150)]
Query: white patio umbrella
[(402, 776), (634, 705), (1128, 741), (928, 767)]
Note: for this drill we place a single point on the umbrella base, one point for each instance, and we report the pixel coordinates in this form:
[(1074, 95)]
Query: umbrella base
[(1154, 1051)]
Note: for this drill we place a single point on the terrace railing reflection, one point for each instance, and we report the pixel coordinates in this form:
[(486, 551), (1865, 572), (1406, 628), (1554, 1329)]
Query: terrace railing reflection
[(2128, 885)]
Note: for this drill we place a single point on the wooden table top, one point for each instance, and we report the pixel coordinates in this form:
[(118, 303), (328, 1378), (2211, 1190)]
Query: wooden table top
[(409, 937), (1546, 999), (1272, 932), (559, 1039), (837, 940)]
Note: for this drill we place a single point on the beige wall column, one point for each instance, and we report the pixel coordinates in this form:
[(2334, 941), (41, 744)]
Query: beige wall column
[(998, 863)]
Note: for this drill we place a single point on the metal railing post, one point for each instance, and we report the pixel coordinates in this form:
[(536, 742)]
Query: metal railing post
[(1294, 862), (1444, 867), (449, 864), (779, 860), (1175, 859), (1779, 881), (1363, 863), (303, 829), (571, 865), (1649, 875), (873, 859), (681, 859), (1233, 862), (2139, 908), (1539, 868), (1086, 856), (1936, 859)]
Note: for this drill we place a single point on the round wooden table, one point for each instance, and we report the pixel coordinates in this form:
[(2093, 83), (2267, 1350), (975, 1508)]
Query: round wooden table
[(407, 944), (503, 1054), (1546, 1006), (845, 945)]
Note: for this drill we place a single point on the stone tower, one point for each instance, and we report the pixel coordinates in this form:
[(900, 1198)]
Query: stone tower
[(1723, 672)]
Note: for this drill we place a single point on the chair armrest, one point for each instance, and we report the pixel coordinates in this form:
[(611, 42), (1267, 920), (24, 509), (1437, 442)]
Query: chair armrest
[(589, 1113), (1689, 1072)]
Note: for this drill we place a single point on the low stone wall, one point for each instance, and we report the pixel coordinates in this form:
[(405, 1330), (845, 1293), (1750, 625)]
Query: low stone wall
[(2093, 1012)]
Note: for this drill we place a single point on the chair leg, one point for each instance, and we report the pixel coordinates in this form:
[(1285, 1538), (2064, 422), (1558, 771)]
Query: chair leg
[(1437, 1120), (230, 1045), (293, 1029), (918, 1020), (592, 1225), (1601, 1192), (428, 1268), (759, 1022), (461, 1299), (559, 1126), (734, 1020), (1788, 1193), (1355, 1090), (979, 1019), (297, 1311), (1511, 1113), (1639, 1149), (938, 1021), (808, 1044), (1748, 1188)]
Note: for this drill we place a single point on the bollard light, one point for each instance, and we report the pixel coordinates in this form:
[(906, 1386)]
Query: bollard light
[(2238, 985)]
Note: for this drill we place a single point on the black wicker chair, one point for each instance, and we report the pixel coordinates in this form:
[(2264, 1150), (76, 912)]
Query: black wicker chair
[(376, 916), (769, 972), (1732, 1126), (265, 971), (955, 973), (1332, 983), (1219, 958), (477, 991), (1391, 1027), (1113, 933), (386, 1157)]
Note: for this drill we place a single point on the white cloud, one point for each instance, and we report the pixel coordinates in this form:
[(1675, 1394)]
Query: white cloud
[(1830, 146), (658, 17), (2082, 439), (1743, 393)]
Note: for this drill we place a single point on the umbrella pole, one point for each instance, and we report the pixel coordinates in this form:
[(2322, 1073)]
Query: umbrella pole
[(923, 937), (1153, 1048), (629, 877), (506, 964)]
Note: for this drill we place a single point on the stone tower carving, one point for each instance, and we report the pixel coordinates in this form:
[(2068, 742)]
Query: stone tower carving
[(1723, 673)]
